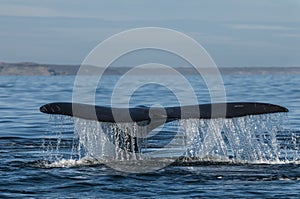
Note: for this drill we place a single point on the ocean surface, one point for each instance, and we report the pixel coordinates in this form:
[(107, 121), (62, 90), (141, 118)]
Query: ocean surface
[(250, 157)]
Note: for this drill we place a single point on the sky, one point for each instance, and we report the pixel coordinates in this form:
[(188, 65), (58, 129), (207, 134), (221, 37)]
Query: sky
[(234, 32)]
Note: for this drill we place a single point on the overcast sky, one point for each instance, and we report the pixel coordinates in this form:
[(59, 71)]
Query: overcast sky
[(234, 32)]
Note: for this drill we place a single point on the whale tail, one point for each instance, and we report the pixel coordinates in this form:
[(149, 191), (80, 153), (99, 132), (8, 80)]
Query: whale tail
[(143, 113), (151, 118)]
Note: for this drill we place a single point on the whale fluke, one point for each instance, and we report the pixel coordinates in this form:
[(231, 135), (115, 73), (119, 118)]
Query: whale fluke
[(143, 113), (154, 117)]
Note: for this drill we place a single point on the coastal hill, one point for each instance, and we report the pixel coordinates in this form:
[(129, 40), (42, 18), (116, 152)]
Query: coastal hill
[(28, 68)]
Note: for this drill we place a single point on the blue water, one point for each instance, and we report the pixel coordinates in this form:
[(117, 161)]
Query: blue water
[(34, 164)]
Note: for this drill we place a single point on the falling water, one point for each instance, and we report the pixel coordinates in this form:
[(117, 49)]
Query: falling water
[(250, 139), (110, 140)]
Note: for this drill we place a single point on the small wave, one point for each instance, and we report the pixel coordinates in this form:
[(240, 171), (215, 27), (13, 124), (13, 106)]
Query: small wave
[(70, 163), (184, 162)]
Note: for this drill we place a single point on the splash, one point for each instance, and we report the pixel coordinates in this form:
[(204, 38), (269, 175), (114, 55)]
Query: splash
[(250, 139), (104, 140)]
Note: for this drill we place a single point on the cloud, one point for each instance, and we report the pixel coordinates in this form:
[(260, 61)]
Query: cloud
[(27, 11), (98, 10), (258, 27), (293, 35), (232, 41), (22, 10)]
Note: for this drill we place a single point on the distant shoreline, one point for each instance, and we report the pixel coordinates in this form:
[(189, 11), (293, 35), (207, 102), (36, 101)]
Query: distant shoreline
[(35, 69)]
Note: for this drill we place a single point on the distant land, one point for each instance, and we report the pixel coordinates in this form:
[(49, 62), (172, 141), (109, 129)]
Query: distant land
[(36, 69)]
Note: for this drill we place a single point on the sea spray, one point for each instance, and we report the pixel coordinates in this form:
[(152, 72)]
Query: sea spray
[(204, 139), (250, 139), (59, 141), (122, 141)]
